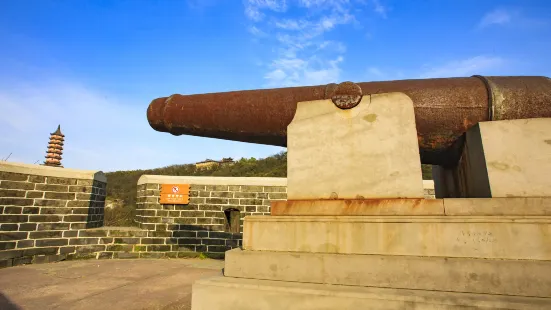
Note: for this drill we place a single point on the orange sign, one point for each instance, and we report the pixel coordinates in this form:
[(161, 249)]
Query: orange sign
[(175, 194), (175, 189)]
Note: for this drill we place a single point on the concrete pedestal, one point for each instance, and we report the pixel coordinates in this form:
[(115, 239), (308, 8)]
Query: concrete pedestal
[(355, 234)]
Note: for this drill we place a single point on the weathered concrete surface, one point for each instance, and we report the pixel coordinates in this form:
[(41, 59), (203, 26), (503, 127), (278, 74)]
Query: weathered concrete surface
[(497, 237), (513, 156), (227, 293), (468, 275), (370, 151), (104, 284)]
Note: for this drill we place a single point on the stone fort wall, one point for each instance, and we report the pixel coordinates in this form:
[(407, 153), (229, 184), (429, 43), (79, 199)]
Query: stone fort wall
[(51, 214), (42, 210)]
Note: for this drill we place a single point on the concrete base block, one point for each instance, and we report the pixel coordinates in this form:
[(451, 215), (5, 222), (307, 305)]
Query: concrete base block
[(493, 237), (466, 275), (243, 294), (370, 151)]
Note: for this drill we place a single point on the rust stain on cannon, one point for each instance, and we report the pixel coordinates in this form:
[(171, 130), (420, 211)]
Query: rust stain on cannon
[(445, 109)]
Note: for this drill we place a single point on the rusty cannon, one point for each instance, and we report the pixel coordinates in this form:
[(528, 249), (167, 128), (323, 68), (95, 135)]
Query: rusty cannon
[(445, 108)]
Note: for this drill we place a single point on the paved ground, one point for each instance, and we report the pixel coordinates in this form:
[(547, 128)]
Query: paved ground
[(104, 284)]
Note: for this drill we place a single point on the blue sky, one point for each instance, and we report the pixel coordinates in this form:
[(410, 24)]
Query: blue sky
[(94, 66)]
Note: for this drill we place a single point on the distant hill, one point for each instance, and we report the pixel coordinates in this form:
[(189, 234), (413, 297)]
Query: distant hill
[(122, 185)]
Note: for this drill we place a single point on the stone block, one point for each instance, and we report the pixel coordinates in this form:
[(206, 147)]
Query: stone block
[(120, 247), (16, 202), (208, 241), (51, 242), (204, 221), (53, 210), (12, 235), (78, 226), (152, 241), (60, 181), (216, 200), (7, 245), (105, 255), (17, 185), (40, 251), (21, 244), (531, 206), (50, 203), (51, 188), (274, 196), (84, 241), (158, 248), (9, 227), (45, 234), (189, 241), (45, 218), (256, 202), (380, 127), (186, 234), (130, 240), (249, 294), (216, 248), (222, 194), (493, 168), (251, 188), (12, 193), (90, 248), (245, 195), (10, 176), (27, 226), (234, 188), (217, 188), (467, 275), (13, 210), (80, 189), (275, 189), (128, 233), (75, 218), (85, 182), (53, 226), (70, 234), (31, 210), (197, 187), (37, 179), (492, 237), (67, 249)]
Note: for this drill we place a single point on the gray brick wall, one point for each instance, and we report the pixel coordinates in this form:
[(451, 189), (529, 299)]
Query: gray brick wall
[(202, 225), (38, 213)]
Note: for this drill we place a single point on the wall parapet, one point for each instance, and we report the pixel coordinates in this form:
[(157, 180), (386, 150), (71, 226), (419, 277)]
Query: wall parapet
[(40, 206), (165, 179)]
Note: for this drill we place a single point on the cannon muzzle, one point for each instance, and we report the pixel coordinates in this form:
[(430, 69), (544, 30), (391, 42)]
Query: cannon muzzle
[(444, 110)]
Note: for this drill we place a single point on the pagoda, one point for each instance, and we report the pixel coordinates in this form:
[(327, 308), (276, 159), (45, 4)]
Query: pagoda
[(55, 148)]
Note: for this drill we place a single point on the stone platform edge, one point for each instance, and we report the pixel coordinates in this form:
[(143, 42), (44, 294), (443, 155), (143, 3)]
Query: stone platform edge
[(41, 170)]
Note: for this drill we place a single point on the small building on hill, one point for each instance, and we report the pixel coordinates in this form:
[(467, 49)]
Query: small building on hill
[(209, 163)]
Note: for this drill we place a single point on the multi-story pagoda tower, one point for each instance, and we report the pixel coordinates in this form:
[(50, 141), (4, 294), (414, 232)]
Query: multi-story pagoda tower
[(55, 148)]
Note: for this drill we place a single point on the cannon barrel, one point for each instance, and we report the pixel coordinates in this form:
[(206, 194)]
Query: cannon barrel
[(445, 109)]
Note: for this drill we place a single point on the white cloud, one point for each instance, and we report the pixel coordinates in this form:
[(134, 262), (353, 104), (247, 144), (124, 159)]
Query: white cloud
[(496, 17), (302, 54), (253, 8), (465, 67), (379, 8), (256, 32)]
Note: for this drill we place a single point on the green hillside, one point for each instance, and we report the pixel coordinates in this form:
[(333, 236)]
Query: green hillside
[(122, 185)]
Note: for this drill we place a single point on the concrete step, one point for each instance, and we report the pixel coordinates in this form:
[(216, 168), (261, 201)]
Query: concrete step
[(491, 237), (248, 294), (467, 275)]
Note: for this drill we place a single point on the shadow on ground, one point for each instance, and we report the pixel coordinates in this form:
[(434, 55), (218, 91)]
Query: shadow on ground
[(7, 304)]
